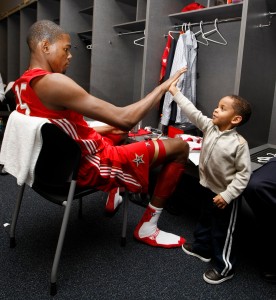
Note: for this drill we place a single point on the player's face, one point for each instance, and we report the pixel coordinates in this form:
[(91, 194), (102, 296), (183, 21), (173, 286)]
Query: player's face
[(59, 54)]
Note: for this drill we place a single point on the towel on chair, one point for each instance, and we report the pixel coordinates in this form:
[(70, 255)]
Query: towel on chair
[(21, 146)]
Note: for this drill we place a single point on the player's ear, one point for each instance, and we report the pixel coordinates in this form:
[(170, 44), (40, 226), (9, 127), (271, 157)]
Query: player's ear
[(45, 46)]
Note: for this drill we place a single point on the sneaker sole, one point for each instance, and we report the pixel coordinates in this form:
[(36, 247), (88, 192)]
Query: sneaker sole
[(196, 255), (217, 281)]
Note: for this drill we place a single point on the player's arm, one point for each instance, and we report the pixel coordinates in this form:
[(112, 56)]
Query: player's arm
[(58, 91)]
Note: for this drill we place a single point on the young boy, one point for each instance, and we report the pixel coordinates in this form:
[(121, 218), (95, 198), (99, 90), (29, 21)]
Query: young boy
[(224, 171)]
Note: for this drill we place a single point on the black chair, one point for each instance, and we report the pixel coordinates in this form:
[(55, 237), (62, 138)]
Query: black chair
[(55, 179)]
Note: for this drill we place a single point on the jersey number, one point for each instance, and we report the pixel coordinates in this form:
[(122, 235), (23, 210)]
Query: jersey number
[(23, 106)]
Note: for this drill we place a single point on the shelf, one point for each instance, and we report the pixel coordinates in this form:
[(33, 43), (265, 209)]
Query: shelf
[(129, 2), (210, 13), (86, 36), (131, 26), (88, 11)]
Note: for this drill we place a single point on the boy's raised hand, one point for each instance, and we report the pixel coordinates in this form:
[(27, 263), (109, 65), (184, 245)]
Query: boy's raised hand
[(173, 89)]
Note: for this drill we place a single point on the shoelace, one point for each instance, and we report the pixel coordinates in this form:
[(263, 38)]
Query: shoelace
[(154, 235)]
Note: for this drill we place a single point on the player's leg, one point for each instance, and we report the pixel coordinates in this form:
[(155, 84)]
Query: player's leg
[(173, 154)]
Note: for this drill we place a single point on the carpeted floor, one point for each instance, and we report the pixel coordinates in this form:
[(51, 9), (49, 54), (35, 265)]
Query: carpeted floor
[(93, 264)]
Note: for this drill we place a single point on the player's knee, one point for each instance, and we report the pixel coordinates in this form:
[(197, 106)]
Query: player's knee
[(183, 145), (183, 148)]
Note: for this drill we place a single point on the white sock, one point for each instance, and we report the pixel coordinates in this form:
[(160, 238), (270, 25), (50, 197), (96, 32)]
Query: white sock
[(118, 198), (149, 228), (115, 199)]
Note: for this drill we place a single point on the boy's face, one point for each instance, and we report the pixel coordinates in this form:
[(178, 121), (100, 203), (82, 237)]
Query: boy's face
[(224, 116)]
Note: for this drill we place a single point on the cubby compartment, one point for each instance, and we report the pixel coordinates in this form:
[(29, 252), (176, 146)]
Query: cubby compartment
[(141, 10), (4, 50), (115, 56), (208, 13), (48, 10), (77, 18), (212, 81), (126, 9), (13, 46)]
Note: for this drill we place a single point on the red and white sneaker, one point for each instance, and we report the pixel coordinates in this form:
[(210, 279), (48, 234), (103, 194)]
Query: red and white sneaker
[(161, 239), (148, 233), (113, 202)]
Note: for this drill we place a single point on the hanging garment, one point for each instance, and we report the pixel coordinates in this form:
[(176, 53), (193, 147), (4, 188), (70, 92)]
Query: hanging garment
[(167, 75), (170, 59), (169, 62), (165, 58), (185, 55)]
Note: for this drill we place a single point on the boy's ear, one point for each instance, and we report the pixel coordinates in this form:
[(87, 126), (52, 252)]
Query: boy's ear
[(236, 120)]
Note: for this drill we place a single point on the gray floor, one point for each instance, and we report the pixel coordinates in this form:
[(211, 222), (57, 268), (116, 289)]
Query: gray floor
[(94, 265)]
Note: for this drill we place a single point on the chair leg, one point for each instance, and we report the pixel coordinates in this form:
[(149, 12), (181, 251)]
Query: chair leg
[(80, 208), (53, 286), (15, 215), (125, 211)]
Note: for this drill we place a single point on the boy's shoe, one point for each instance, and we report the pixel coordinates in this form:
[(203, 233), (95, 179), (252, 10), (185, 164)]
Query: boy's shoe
[(213, 277), (188, 249)]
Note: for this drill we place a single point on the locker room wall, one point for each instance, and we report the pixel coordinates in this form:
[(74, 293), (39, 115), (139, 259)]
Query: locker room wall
[(120, 72)]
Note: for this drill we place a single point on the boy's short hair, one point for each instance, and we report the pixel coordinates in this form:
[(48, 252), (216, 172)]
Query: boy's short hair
[(242, 107)]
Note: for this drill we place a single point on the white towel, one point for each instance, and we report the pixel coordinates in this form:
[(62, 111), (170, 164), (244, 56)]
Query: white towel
[(21, 146)]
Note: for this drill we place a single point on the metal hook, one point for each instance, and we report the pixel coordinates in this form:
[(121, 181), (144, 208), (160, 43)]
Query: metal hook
[(270, 14)]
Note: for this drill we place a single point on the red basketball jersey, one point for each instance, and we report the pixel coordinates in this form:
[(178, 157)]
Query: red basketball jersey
[(103, 165)]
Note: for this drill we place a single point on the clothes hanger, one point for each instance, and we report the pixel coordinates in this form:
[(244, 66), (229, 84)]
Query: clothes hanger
[(171, 31), (137, 41), (202, 34), (177, 31), (215, 30)]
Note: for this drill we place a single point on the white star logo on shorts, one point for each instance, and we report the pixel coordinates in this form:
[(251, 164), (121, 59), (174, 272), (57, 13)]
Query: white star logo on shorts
[(138, 159)]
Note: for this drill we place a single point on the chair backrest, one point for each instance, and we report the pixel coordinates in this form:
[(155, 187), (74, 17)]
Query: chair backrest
[(57, 163)]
